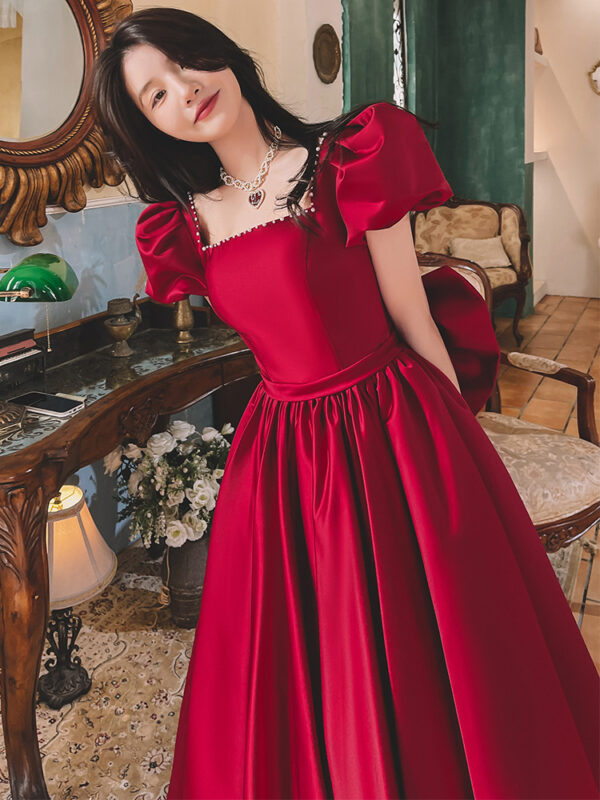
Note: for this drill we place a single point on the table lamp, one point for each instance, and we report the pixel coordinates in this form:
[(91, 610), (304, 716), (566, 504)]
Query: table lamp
[(80, 566), (41, 277)]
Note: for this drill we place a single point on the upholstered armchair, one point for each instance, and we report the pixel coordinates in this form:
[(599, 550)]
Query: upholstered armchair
[(556, 475), (455, 227)]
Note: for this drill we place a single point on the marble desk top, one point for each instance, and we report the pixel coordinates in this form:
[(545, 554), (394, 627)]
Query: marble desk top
[(96, 374)]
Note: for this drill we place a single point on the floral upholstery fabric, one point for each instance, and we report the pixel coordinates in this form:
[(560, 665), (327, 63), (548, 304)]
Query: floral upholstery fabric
[(509, 231), (565, 563), (538, 363), (501, 275), (556, 475), (442, 223), (435, 228)]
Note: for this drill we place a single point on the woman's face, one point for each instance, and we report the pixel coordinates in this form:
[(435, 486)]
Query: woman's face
[(171, 97)]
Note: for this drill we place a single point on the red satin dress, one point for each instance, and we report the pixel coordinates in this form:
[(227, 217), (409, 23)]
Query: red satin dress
[(379, 617)]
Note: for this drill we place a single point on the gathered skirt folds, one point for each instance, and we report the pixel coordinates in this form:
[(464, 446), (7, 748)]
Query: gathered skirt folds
[(379, 617)]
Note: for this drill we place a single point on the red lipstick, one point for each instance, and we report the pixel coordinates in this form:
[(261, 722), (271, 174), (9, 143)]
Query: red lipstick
[(206, 107)]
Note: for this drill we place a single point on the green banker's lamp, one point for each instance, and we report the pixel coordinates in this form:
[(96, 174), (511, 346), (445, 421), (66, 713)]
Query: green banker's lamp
[(42, 277)]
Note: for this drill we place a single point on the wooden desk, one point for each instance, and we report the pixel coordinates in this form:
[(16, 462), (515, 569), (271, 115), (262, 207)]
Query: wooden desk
[(127, 398)]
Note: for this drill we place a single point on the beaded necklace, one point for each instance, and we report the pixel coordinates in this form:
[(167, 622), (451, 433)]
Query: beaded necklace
[(194, 213)]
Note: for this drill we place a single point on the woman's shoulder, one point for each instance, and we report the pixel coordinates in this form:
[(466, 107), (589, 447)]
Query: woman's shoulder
[(374, 123), (379, 111), (163, 224), (171, 258), (384, 168), (165, 234), (156, 216)]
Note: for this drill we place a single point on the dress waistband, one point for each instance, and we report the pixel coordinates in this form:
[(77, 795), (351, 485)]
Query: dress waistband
[(338, 381)]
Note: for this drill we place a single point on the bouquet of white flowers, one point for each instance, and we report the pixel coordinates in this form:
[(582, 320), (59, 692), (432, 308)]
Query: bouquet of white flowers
[(169, 487)]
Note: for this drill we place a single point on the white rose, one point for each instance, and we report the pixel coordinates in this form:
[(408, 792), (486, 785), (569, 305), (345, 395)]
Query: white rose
[(201, 494), (160, 443), (209, 433), (113, 460), (218, 473), (132, 451), (213, 485), (227, 428), (175, 498), (134, 481), (196, 525), (181, 430), (176, 533)]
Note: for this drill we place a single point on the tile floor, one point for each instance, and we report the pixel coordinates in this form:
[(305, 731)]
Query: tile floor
[(563, 328), (566, 329)]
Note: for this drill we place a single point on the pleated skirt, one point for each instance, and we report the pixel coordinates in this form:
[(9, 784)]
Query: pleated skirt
[(379, 618)]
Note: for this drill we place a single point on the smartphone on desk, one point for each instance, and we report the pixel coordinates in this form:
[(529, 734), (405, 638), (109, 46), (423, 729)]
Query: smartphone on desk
[(51, 405)]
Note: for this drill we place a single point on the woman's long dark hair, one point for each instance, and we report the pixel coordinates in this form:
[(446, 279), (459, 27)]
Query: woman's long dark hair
[(163, 167)]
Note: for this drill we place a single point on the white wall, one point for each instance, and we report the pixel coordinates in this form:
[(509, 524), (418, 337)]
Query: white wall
[(279, 35), (566, 124)]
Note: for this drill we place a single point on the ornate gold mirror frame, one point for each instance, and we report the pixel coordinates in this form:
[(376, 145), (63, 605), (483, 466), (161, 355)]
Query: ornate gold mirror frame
[(53, 169)]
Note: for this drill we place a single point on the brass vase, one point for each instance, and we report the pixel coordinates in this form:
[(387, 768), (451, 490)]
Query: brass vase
[(183, 320), (125, 316)]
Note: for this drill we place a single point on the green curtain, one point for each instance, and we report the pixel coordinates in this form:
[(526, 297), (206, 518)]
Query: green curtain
[(368, 54)]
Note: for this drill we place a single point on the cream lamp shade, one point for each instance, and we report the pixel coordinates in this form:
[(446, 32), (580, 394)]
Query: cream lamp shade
[(80, 563)]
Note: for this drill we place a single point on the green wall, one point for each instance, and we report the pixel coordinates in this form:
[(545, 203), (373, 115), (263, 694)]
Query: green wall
[(368, 54), (466, 70)]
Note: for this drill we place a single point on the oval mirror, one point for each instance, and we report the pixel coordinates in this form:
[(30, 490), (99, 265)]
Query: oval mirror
[(50, 144), (39, 87)]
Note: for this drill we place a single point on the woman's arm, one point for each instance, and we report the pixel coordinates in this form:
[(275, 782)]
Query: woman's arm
[(395, 261)]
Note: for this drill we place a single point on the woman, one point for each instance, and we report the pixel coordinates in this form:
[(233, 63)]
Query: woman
[(379, 618)]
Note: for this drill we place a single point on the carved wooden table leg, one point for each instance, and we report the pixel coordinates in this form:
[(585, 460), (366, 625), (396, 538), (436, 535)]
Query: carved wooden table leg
[(23, 619)]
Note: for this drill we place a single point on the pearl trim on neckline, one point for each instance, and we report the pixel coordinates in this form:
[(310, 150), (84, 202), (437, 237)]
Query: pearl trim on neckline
[(254, 227)]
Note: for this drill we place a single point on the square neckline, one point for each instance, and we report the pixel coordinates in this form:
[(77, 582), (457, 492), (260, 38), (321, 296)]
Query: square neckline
[(207, 248)]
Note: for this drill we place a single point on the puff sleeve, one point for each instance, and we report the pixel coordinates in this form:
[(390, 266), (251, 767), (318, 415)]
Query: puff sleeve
[(171, 259), (384, 168)]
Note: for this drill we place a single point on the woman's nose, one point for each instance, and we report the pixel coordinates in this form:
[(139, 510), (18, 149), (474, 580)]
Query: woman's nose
[(191, 93)]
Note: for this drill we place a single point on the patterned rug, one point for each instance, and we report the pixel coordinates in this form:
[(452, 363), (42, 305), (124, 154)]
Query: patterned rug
[(116, 742)]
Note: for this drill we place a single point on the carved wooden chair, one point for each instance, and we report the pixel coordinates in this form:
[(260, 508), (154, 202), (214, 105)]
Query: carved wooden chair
[(435, 228), (556, 475)]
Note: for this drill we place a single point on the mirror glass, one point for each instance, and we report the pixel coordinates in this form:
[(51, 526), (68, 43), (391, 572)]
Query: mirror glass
[(41, 67)]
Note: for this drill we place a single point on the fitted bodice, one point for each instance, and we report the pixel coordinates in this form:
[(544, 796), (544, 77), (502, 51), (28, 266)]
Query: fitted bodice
[(286, 291), (307, 302)]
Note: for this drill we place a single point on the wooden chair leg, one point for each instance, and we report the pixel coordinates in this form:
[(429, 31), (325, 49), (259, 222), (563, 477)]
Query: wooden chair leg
[(520, 297)]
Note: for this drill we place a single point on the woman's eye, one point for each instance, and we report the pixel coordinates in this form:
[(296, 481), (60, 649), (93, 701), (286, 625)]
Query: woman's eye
[(156, 97)]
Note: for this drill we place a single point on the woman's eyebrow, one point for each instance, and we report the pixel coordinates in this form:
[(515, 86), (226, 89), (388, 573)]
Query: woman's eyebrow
[(145, 88)]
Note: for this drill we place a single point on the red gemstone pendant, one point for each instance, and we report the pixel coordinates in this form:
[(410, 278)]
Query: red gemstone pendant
[(255, 198)]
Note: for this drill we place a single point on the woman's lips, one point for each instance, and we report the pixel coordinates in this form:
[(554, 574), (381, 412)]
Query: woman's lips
[(205, 109)]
